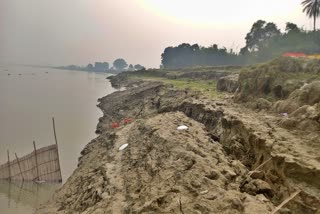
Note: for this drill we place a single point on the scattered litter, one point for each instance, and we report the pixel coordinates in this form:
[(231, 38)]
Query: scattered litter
[(115, 125), (204, 192), (122, 147), (127, 120), (39, 181), (180, 128), (284, 114)]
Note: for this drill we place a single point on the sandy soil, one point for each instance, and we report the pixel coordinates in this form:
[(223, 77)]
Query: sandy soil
[(230, 160)]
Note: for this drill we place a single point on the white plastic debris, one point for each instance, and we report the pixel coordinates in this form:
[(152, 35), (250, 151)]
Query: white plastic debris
[(204, 192), (180, 128), (122, 147), (284, 114)]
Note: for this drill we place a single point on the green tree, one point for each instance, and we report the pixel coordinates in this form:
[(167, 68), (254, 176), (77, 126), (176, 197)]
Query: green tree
[(101, 66), (291, 27), (254, 37), (312, 9), (260, 32), (120, 64), (90, 66), (139, 67), (186, 55)]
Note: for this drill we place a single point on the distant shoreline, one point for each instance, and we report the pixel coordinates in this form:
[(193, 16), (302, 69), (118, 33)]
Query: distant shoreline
[(87, 70)]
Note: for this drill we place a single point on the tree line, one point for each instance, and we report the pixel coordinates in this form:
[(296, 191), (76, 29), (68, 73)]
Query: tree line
[(118, 65), (264, 41)]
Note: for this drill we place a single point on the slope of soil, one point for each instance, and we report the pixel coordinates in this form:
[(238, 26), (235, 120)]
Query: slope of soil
[(230, 160), (163, 170)]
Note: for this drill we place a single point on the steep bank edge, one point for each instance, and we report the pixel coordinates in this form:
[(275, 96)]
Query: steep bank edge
[(243, 138)]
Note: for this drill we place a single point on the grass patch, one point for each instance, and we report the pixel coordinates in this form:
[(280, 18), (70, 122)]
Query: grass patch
[(206, 87)]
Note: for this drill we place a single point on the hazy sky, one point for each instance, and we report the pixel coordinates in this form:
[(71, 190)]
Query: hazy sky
[(59, 32)]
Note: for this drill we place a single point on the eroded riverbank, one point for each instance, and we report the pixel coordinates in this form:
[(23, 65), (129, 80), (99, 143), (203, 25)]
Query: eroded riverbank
[(230, 160)]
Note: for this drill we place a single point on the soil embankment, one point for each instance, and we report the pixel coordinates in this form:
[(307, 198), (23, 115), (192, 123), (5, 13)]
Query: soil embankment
[(232, 159)]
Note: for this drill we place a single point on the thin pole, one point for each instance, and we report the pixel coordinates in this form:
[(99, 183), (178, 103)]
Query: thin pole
[(9, 194), (9, 165), (35, 155), (286, 201), (20, 189), (19, 166), (54, 131), (55, 138)]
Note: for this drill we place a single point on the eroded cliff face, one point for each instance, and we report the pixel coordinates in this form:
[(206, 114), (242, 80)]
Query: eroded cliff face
[(287, 160), (286, 86), (230, 160)]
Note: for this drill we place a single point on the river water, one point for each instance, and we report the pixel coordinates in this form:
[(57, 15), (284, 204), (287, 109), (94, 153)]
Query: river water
[(29, 98)]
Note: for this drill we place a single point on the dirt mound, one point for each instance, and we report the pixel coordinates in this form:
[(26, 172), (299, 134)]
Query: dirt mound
[(162, 170), (286, 86), (276, 79), (302, 107), (138, 102), (288, 158), (230, 160), (309, 94), (228, 83), (182, 170)]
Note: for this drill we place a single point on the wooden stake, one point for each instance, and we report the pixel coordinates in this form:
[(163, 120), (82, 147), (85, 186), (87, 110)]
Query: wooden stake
[(9, 195), (285, 202), (19, 166), (260, 166), (55, 138), (54, 131), (35, 155), (9, 165)]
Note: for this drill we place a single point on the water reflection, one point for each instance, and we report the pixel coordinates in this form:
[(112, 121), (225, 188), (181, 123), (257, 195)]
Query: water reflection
[(26, 194), (28, 102)]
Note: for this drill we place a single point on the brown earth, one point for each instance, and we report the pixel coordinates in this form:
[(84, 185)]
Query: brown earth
[(228, 83), (286, 86), (210, 168)]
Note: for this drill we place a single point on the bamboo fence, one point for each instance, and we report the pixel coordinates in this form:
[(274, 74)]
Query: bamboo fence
[(41, 165)]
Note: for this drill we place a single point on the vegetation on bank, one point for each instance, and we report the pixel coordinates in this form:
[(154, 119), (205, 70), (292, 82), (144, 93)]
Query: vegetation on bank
[(265, 41), (199, 79), (273, 80), (278, 78), (312, 10), (206, 87)]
